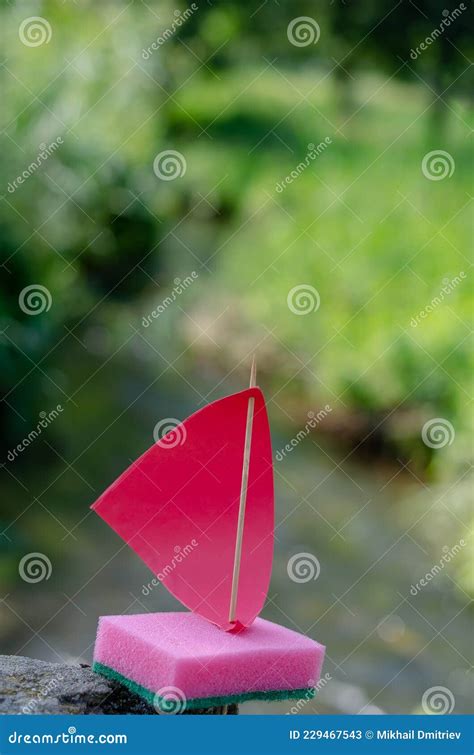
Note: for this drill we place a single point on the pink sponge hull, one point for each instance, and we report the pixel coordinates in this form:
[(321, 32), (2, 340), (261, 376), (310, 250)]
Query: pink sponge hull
[(182, 650)]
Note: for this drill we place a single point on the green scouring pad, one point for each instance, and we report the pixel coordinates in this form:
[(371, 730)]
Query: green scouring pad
[(167, 702)]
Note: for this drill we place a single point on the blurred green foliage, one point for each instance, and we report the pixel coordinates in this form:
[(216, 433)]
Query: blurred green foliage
[(362, 224)]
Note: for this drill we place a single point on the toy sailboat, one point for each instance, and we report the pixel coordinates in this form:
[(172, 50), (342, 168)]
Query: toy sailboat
[(197, 507)]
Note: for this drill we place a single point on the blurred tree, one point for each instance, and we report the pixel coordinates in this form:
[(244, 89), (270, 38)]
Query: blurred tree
[(423, 41)]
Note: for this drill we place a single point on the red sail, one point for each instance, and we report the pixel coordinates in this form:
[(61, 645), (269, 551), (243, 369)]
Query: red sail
[(177, 506)]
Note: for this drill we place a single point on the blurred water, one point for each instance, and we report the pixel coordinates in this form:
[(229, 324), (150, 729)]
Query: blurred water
[(385, 647)]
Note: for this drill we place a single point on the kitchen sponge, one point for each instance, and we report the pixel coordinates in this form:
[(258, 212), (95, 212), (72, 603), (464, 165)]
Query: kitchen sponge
[(180, 660)]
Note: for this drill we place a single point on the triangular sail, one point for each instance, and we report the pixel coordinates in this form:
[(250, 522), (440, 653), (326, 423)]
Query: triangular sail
[(177, 506)]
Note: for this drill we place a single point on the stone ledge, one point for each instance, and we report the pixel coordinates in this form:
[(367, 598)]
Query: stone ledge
[(28, 686)]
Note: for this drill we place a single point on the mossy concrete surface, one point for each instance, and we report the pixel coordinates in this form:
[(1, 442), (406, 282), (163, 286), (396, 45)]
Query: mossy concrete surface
[(29, 686)]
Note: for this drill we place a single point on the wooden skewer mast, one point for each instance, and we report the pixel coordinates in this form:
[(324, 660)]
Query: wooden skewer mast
[(243, 495)]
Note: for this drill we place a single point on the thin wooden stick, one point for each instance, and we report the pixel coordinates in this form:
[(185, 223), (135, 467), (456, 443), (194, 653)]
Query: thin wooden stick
[(243, 495)]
